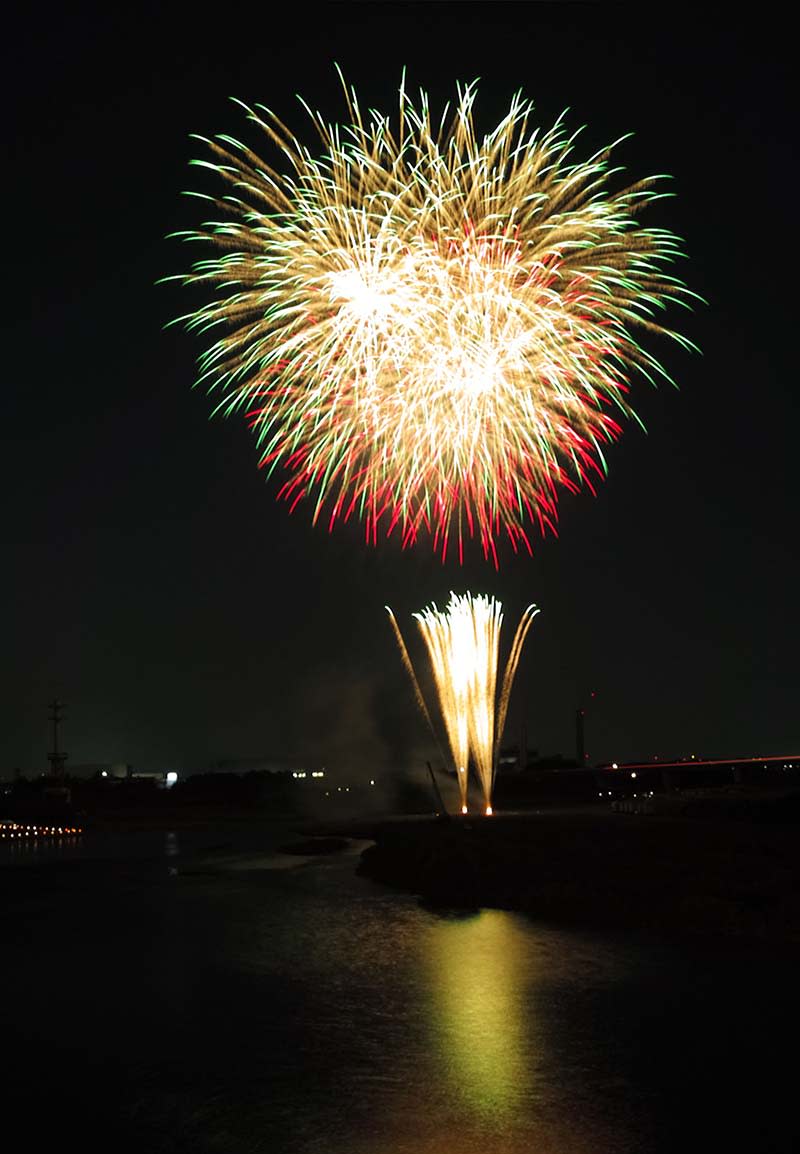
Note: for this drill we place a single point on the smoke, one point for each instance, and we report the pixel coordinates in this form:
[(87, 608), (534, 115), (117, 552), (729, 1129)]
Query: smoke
[(360, 729), (339, 728)]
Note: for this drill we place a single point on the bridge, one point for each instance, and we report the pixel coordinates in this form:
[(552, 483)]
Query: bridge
[(633, 776)]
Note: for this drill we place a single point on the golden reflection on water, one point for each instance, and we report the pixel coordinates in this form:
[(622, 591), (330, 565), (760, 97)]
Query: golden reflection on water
[(483, 1083), (479, 968)]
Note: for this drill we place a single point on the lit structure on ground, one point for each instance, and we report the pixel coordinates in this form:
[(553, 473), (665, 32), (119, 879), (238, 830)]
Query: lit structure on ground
[(463, 643), (28, 830), (429, 328)]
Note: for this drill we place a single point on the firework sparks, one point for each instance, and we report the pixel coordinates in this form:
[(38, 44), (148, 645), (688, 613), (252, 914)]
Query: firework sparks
[(463, 643), (428, 328)]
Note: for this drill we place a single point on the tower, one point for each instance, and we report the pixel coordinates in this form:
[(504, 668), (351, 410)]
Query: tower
[(580, 737), (580, 752), (57, 756)]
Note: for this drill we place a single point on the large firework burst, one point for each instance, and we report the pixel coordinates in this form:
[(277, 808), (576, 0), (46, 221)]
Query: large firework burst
[(429, 328)]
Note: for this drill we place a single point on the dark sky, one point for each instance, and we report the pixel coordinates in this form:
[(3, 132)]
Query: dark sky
[(151, 579)]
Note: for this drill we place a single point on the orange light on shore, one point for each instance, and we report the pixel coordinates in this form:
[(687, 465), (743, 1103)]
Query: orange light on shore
[(463, 809), (489, 811), (12, 829)]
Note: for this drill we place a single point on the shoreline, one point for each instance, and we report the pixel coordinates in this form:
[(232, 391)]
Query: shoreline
[(700, 869)]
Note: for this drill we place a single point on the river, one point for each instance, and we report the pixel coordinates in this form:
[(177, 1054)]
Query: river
[(183, 991)]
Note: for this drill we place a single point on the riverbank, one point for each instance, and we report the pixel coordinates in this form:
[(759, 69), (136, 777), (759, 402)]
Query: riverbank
[(723, 865), (670, 875)]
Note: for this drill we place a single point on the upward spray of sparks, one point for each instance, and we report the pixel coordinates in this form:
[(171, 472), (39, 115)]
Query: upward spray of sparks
[(463, 643), (429, 328)]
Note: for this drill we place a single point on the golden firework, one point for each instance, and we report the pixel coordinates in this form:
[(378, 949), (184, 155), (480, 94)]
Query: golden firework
[(428, 327), (463, 644)]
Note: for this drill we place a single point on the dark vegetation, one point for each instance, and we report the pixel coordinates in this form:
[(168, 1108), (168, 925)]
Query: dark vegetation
[(700, 871)]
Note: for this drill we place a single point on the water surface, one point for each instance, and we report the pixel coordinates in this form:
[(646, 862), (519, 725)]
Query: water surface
[(188, 992)]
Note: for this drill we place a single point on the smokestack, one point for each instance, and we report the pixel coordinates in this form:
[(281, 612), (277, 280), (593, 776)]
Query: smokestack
[(580, 753)]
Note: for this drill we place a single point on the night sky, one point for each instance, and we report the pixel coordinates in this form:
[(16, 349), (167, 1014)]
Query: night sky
[(152, 580)]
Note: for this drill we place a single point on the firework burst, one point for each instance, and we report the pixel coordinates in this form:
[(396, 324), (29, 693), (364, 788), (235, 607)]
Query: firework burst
[(463, 643), (429, 328)]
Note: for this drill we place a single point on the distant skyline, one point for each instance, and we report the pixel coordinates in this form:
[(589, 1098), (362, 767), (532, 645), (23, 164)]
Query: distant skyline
[(153, 582)]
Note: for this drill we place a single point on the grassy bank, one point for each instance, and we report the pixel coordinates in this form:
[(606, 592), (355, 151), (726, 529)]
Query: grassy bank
[(666, 874)]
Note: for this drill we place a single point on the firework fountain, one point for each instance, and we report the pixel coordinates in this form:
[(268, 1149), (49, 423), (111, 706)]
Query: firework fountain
[(463, 644)]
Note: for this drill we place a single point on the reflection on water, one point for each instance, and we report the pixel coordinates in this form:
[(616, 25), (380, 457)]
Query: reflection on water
[(478, 967), (30, 849), (486, 1073), (171, 847), (233, 1010)]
